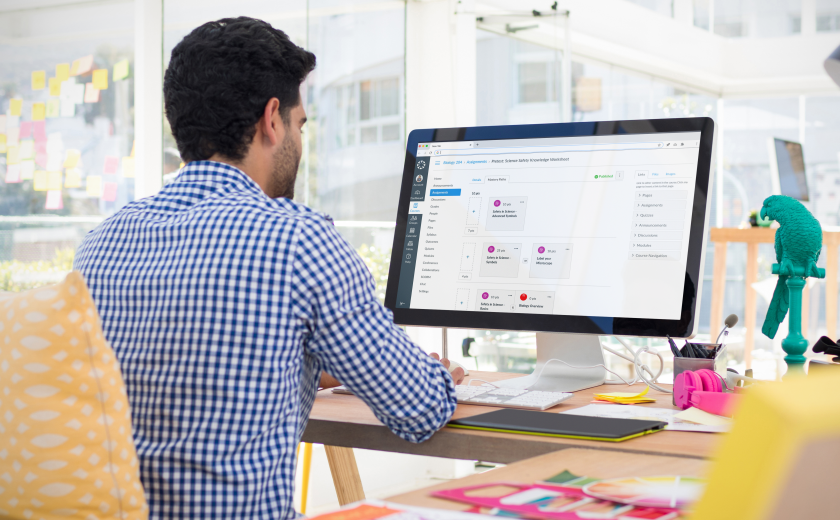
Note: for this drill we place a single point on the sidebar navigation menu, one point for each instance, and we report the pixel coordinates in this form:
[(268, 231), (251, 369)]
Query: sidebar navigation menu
[(409, 260)]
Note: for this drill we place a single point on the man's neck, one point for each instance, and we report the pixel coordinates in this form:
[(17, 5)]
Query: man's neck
[(247, 166)]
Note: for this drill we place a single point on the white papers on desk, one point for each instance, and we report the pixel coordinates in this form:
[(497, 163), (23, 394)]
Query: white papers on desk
[(617, 411)]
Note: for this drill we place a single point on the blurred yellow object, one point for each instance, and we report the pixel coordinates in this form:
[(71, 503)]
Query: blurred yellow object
[(15, 106), (39, 79), (782, 457), (307, 465), (39, 111), (62, 72), (100, 79)]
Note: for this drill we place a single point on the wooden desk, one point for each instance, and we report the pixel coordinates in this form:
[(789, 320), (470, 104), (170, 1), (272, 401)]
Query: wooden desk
[(591, 463), (721, 237), (344, 420)]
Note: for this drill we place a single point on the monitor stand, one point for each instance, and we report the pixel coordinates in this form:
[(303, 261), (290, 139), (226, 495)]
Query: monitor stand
[(575, 349)]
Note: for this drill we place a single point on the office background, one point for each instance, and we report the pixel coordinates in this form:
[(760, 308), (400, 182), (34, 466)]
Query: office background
[(386, 67)]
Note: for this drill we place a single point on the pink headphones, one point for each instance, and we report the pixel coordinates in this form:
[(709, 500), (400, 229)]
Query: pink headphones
[(703, 389)]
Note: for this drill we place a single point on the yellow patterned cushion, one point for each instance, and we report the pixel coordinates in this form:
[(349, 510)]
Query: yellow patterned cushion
[(66, 449)]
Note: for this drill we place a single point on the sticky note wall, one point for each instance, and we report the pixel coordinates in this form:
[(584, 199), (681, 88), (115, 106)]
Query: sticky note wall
[(53, 163)]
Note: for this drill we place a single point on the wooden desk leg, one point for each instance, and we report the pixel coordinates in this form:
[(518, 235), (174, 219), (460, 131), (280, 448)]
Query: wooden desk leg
[(718, 289), (831, 291), (749, 302), (345, 474)]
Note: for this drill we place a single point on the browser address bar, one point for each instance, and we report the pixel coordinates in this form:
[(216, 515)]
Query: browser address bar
[(552, 149)]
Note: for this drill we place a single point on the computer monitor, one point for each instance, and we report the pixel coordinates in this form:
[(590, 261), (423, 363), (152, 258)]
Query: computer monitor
[(787, 167), (581, 229)]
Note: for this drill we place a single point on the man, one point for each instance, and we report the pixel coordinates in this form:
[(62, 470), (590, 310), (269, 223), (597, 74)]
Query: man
[(225, 301)]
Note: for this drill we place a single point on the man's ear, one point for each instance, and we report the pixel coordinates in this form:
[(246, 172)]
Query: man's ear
[(271, 124)]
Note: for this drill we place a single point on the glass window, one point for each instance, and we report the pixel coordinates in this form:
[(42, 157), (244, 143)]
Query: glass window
[(533, 82), (820, 150), (764, 19), (369, 134), (389, 97), (828, 15), (663, 7), (366, 100), (702, 13), (66, 132)]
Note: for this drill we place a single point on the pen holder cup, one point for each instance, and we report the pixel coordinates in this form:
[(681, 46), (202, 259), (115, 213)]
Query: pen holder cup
[(681, 364)]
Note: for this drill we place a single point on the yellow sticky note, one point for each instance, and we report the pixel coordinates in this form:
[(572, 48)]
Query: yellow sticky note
[(128, 167), (39, 111), (624, 395), (120, 70), (73, 178), (53, 107), (71, 158), (12, 155), (100, 79), (94, 185), (55, 87), (41, 180), (74, 69), (39, 79), (15, 107), (54, 180), (62, 72), (2, 143)]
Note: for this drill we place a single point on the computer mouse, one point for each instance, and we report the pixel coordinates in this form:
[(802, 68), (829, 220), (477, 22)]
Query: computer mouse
[(454, 364)]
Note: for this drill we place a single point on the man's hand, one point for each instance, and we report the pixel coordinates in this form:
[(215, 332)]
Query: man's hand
[(457, 374)]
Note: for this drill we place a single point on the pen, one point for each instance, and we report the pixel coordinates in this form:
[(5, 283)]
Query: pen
[(674, 348)]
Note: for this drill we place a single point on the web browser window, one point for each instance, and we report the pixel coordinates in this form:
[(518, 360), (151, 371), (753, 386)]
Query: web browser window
[(585, 226)]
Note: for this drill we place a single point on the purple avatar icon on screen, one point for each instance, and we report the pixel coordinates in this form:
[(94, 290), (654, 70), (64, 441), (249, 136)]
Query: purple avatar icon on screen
[(497, 203), (541, 250), (484, 296), (491, 249)]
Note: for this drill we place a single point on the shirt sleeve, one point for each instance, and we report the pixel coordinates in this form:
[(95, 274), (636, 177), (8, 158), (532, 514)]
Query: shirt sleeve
[(356, 341)]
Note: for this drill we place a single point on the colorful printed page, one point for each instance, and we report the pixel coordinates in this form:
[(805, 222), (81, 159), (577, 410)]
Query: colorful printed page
[(553, 502), (379, 510)]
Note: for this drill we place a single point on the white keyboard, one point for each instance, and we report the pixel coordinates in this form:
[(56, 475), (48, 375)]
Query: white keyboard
[(502, 397), (486, 395)]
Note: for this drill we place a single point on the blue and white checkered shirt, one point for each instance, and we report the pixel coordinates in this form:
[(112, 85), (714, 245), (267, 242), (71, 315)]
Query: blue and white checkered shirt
[(223, 306)]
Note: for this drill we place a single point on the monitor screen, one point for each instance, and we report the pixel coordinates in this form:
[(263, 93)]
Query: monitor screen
[(791, 164), (525, 230)]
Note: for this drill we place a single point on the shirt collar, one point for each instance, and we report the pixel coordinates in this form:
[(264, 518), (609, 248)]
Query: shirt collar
[(212, 172)]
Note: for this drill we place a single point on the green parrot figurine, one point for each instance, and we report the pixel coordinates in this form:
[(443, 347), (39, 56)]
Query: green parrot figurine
[(798, 245)]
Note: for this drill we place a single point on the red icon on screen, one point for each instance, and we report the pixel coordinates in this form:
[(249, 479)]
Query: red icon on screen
[(523, 297)]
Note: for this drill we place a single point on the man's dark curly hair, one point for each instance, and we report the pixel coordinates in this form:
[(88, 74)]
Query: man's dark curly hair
[(219, 80)]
